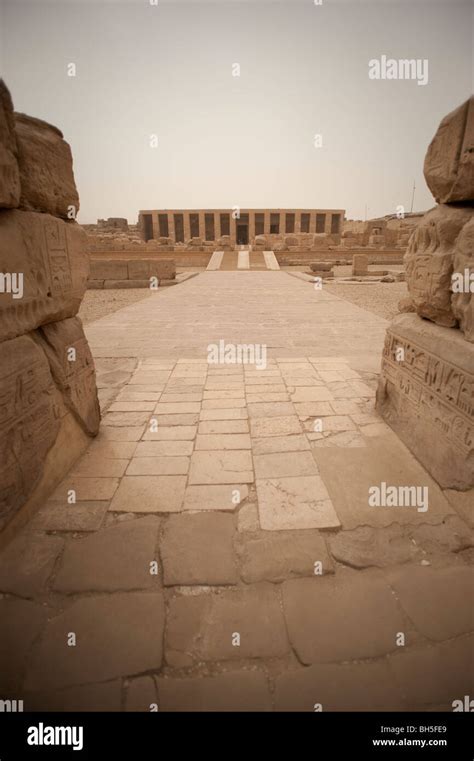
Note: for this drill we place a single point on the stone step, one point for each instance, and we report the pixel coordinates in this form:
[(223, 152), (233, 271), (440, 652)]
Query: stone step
[(215, 261)]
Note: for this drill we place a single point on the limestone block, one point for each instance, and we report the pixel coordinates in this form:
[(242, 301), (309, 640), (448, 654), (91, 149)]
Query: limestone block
[(462, 299), (449, 162), (429, 262), (360, 264), (46, 175), (260, 241), (48, 257), (9, 169), (427, 397), (109, 269), (72, 367), (29, 420)]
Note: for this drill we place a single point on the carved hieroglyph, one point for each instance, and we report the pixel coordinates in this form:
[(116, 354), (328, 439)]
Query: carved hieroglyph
[(29, 420), (72, 367), (430, 261), (51, 257), (9, 170), (426, 393), (449, 162), (45, 161), (462, 300)]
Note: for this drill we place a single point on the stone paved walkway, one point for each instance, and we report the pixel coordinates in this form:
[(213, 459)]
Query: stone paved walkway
[(214, 549)]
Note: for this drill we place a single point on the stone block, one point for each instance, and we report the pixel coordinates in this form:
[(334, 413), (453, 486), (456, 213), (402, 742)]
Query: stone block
[(428, 397), (449, 161), (462, 299), (360, 264), (109, 269), (72, 367), (46, 175), (430, 261), (9, 169), (230, 691), (48, 256)]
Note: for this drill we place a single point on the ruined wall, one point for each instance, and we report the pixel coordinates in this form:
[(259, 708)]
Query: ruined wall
[(426, 389), (49, 405)]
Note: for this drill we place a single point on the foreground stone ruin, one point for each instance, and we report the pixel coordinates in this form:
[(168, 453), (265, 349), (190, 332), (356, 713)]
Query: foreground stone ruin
[(47, 377), (426, 388)]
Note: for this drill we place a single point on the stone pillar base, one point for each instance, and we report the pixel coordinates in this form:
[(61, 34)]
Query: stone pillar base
[(426, 394)]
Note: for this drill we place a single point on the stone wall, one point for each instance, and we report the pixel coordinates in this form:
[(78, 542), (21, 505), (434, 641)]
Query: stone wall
[(49, 405), (131, 273), (426, 389)]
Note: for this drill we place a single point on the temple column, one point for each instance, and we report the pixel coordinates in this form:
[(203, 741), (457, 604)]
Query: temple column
[(187, 226), (251, 226)]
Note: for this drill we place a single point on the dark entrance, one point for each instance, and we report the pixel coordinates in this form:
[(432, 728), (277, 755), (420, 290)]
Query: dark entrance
[(242, 234)]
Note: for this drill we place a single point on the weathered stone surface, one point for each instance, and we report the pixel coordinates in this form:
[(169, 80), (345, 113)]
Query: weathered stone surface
[(429, 397), (58, 516), (462, 300), (149, 494), (205, 626), (434, 675), (231, 691), (430, 260), (118, 635), (28, 420), (115, 558), (341, 618), (72, 366), (449, 161), (45, 161), (295, 502), (51, 255), (337, 687), (277, 556), (27, 563), (22, 622), (440, 602), (367, 546), (141, 694), (9, 170), (223, 467), (86, 697), (197, 549), (360, 264)]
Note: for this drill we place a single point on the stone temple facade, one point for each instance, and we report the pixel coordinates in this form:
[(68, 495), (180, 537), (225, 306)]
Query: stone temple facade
[(426, 390), (238, 227)]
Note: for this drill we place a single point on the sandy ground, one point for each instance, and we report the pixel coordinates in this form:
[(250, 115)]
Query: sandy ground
[(98, 303), (380, 298)]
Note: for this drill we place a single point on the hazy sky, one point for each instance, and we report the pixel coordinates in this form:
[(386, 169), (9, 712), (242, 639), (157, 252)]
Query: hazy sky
[(248, 141)]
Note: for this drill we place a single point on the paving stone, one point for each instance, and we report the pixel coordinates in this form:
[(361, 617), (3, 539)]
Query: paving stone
[(462, 502), (345, 407), (22, 623), (337, 687), (171, 398), (214, 467), (149, 494), (205, 626), (295, 502), (385, 461), (282, 464), (277, 556), (60, 516), (215, 497), (27, 563), (344, 617), (139, 396), (295, 443), (270, 409), (277, 426), (345, 439), (247, 517), (158, 466), (375, 429), (91, 465), (452, 535), (190, 419), (198, 549), (116, 635), (366, 546), (311, 394), (223, 404), (106, 696), (312, 409), (231, 691), (120, 450), (222, 442), (141, 694), (125, 419), (115, 558), (440, 602), (86, 489), (223, 385), (224, 394), (133, 433), (223, 426), (171, 448), (171, 433), (177, 408), (266, 397), (124, 406), (434, 675), (224, 414)]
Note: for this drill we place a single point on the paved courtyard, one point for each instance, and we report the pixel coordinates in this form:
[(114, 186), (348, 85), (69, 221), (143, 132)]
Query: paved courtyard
[(215, 549)]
